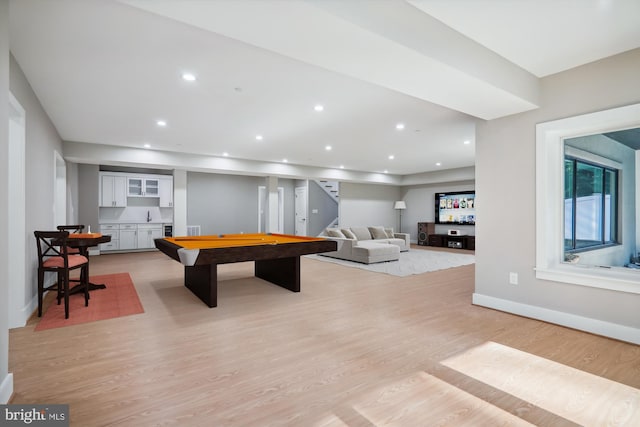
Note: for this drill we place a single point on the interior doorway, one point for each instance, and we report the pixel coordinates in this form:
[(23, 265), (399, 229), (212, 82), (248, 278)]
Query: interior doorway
[(19, 309)]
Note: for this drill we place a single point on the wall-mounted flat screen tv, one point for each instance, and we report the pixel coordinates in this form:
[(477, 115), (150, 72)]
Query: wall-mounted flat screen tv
[(456, 208)]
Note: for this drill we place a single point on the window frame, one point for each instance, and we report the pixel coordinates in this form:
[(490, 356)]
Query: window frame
[(550, 145), (606, 165)]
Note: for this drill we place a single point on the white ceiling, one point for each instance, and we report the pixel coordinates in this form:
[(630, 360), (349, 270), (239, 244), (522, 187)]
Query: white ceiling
[(106, 71)]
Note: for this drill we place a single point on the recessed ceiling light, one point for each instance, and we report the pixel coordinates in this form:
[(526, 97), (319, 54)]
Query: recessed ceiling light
[(147, 145), (391, 157), (467, 142), (161, 123), (438, 164), (328, 148), (259, 137), (225, 154), (319, 107), (284, 160), (188, 77), (400, 126)]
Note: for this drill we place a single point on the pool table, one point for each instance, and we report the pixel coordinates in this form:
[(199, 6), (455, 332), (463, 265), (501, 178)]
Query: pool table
[(276, 256)]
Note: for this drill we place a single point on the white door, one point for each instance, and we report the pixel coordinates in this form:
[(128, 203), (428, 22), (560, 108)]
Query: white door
[(301, 211), (166, 193), (128, 239)]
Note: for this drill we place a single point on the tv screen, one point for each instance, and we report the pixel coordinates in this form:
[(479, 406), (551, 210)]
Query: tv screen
[(456, 208)]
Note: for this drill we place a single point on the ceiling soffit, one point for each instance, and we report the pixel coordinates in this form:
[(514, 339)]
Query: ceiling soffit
[(374, 44)]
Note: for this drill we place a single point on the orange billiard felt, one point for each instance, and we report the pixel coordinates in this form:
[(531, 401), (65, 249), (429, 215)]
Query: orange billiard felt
[(226, 240)]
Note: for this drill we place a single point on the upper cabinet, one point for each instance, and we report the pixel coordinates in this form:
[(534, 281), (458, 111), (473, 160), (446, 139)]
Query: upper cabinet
[(115, 187), (113, 191), (166, 192), (142, 187)]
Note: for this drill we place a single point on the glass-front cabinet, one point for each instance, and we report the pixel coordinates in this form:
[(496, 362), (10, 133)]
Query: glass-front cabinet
[(143, 187)]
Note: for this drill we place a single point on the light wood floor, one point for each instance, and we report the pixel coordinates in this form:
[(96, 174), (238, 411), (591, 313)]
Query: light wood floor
[(354, 348)]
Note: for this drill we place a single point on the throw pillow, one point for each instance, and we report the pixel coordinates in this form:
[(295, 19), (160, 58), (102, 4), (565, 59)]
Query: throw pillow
[(362, 233), (334, 232), (389, 232), (348, 234), (378, 232)]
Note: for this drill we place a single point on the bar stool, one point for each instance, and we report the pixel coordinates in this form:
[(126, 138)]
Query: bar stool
[(53, 256)]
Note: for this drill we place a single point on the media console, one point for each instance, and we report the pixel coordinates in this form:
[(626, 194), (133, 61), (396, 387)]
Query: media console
[(427, 236), (456, 242)]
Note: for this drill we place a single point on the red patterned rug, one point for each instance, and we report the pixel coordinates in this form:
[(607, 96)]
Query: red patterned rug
[(118, 299)]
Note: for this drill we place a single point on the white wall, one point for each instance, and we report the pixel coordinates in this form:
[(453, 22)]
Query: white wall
[(505, 180), (6, 379), (368, 205)]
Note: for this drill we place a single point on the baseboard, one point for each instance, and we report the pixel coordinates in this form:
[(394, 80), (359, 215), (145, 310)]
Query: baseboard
[(22, 316), (6, 389), (594, 326)]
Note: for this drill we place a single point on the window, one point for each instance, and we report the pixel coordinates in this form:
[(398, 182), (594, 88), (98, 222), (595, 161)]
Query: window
[(552, 195), (590, 208)]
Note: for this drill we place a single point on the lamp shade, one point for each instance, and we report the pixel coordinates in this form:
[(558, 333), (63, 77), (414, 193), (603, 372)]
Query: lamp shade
[(400, 205)]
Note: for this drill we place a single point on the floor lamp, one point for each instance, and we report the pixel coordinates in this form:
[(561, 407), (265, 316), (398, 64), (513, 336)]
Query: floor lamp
[(400, 206)]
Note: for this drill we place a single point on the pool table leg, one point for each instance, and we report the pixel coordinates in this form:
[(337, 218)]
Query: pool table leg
[(284, 272), (202, 280)]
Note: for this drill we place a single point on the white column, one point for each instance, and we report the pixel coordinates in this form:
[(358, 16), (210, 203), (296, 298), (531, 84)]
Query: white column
[(271, 212), (179, 202)]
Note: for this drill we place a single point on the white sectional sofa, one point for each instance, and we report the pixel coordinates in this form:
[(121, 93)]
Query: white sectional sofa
[(367, 245)]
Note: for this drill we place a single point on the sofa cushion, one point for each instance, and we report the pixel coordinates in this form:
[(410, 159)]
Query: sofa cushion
[(398, 242), (378, 232), (335, 232), (370, 252), (389, 232), (348, 234), (361, 233)]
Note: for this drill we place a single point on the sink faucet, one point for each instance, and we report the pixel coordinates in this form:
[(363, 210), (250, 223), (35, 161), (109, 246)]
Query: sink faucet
[(148, 216)]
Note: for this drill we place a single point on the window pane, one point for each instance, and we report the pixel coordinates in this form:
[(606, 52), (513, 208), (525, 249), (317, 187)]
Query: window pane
[(589, 210), (610, 201), (568, 204)]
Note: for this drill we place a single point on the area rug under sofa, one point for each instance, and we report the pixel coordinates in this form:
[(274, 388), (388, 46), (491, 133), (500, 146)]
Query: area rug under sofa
[(416, 261)]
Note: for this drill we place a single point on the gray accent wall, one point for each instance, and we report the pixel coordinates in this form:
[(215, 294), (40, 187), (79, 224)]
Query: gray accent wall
[(42, 140), (368, 205), (88, 196), (6, 381), (223, 204), (289, 204), (506, 184)]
